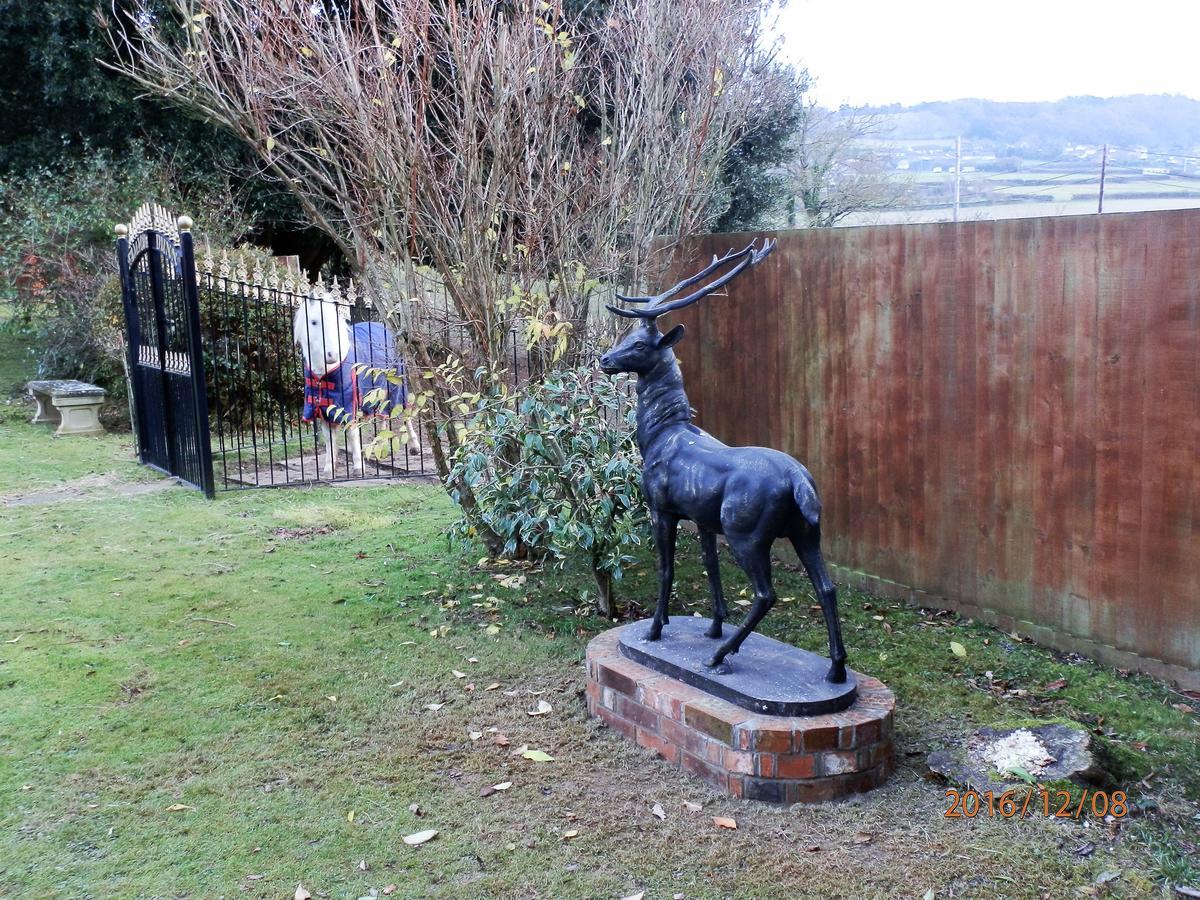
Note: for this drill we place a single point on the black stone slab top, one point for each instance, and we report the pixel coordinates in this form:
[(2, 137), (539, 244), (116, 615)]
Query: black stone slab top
[(766, 675)]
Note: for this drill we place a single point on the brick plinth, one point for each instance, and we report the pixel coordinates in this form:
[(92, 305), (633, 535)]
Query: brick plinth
[(779, 759)]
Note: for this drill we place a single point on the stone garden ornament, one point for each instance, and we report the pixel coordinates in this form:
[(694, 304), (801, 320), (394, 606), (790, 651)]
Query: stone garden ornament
[(751, 495)]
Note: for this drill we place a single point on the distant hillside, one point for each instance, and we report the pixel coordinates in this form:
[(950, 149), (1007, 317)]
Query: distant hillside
[(1158, 122)]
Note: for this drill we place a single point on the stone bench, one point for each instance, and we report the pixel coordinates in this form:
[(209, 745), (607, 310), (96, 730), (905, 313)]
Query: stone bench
[(74, 406)]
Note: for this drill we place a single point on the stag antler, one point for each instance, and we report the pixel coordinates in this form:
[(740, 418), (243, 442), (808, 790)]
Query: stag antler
[(657, 305)]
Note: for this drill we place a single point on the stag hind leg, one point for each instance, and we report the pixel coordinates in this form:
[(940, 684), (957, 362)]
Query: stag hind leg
[(755, 559), (808, 548), (712, 567), (665, 529)]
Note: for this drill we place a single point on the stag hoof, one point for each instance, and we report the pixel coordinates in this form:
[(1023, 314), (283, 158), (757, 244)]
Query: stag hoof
[(655, 632), (836, 673), (714, 630), (718, 659)]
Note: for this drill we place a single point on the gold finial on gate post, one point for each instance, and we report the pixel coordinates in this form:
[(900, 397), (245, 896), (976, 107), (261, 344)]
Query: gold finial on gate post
[(121, 229), (184, 223)]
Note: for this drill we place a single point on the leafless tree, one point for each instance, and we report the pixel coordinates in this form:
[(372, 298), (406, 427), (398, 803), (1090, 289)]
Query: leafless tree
[(477, 161), (835, 171)]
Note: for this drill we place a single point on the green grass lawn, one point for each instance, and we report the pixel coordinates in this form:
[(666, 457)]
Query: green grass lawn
[(231, 698)]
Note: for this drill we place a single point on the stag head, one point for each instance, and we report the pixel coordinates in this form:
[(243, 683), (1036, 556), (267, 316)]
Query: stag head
[(640, 349), (643, 345)]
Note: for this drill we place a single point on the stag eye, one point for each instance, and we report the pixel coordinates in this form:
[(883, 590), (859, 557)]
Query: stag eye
[(640, 344)]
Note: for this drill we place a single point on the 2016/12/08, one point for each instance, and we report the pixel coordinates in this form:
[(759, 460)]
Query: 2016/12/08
[(1011, 804)]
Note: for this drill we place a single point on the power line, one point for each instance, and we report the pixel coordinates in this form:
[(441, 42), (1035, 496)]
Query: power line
[(1045, 181), (1156, 153)]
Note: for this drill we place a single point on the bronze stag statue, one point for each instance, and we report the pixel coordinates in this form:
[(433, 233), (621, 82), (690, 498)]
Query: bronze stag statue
[(752, 495)]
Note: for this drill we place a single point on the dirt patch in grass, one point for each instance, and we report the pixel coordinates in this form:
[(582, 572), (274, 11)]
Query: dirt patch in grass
[(294, 534)]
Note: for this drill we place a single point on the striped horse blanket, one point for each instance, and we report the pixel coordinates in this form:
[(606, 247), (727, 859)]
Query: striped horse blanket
[(337, 396)]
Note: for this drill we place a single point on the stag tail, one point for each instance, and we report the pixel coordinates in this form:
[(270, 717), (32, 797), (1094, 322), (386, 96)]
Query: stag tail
[(807, 500)]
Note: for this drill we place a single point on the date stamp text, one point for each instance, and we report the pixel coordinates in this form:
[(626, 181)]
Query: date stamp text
[(1036, 802)]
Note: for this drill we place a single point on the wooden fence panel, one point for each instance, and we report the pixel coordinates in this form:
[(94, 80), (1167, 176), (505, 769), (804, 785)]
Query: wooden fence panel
[(1003, 417)]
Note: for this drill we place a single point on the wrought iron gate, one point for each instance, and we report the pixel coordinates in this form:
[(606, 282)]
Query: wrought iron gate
[(166, 364)]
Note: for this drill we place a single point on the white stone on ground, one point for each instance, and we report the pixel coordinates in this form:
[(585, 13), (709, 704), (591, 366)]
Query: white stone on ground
[(1019, 750)]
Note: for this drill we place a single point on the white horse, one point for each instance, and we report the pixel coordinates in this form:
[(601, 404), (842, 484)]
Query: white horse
[(333, 389)]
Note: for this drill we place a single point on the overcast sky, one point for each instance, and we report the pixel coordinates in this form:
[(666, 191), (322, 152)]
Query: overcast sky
[(909, 51)]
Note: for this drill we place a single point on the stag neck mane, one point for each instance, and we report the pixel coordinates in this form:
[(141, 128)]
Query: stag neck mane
[(662, 401)]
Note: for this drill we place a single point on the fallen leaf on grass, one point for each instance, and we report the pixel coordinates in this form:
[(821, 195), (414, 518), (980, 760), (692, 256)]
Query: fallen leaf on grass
[(492, 686), (179, 807), (658, 811), (1056, 685), (690, 806), (488, 791), (492, 630), (390, 889), (638, 896), (415, 840), (474, 735), (434, 707), (542, 709), (570, 833), (500, 740), (458, 674), (538, 756), (863, 837), (724, 822), (350, 816), (415, 809), (958, 649), (301, 893), (14, 640)]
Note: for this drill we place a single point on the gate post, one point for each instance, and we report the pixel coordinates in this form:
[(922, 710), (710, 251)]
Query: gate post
[(133, 338), (191, 296)]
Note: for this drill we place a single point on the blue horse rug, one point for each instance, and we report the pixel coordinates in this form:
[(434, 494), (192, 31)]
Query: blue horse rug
[(337, 395)]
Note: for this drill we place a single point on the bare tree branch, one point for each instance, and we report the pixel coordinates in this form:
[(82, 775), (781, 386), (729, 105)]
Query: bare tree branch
[(835, 171)]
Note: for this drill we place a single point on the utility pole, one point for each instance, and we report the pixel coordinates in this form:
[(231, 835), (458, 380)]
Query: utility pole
[(1103, 169), (958, 174)]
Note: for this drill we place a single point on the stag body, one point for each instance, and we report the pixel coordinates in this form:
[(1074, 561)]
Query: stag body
[(751, 495)]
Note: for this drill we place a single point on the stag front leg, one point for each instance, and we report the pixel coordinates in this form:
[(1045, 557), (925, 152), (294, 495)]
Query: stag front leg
[(665, 528), (712, 567), (755, 560)]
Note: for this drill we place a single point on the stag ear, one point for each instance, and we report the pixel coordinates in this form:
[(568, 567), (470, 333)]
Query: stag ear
[(671, 338)]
